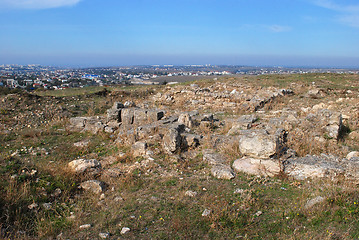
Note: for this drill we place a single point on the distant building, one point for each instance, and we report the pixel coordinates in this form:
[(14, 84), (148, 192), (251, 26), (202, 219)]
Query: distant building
[(11, 83)]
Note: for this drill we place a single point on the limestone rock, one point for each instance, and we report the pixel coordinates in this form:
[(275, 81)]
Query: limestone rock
[(313, 167), (104, 235), (94, 125), (78, 123), (354, 135), (186, 120), (190, 140), (190, 193), (172, 139), (260, 144), (125, 230), (206, 213), (85, 226), (94, 186), (84, 165), (129, 104), (354, 154), (221, 171), (213, 158), (139, 149), (114, 113), (259, 167), (242, 123), (127, 116), (312, 202), (334, 122)]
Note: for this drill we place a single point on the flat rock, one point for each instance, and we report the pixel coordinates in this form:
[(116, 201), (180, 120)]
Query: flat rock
[(213, 158), (313, 167), (310, 203), (259, 167)]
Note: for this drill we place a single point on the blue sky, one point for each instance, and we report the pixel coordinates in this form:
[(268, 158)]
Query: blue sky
[(135, 32)]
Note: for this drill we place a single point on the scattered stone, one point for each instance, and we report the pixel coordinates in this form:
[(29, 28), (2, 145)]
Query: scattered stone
[(125, 230), (94, 186), (258, 213), (213, 158), (190, 140), (85, 226), (221, 171), (206, 213), (83, 143), (84, 165), (47, 206), (56, 193), (102, 197), (104, 235), (190, 193), (310, 203), (33, 206), (242, 123), (238, 191)]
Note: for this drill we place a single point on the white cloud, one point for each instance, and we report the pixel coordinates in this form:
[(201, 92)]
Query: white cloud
[(337, 7), (37, 4), (347, 14)]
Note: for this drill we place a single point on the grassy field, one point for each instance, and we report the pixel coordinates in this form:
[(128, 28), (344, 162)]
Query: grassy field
[(40, 198)]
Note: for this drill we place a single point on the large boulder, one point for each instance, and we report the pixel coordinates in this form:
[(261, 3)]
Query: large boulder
[(259, 167), (172, 140), (260, 144)]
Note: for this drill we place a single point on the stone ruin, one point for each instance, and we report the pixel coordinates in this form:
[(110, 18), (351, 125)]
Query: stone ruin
[(261, 138)]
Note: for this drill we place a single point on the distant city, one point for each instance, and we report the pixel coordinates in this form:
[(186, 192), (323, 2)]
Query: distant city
[(32, 77)]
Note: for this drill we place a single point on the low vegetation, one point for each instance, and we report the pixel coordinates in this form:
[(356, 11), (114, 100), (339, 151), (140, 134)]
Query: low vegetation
[(40, 197)]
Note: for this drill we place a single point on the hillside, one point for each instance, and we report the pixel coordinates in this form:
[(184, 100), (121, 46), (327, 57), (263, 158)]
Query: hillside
[(249, 157)]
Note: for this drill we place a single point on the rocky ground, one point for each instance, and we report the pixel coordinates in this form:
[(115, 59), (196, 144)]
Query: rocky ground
[(205, 159)]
